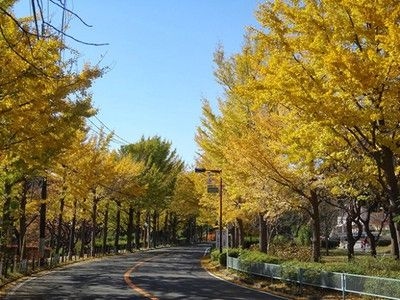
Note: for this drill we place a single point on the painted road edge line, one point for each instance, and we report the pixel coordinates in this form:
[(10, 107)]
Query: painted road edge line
[(127, 278)]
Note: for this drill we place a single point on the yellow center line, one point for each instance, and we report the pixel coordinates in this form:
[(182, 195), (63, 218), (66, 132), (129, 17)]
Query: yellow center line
[(127, 277)]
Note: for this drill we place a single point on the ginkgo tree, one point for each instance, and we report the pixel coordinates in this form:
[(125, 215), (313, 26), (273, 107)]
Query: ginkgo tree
[(337, 64), (313, 90), (259, 168), (124, 188), (90, 190), (43, 103), (161, 166), (184, 205)]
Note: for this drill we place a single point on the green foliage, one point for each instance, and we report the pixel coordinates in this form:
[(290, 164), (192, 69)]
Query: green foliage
[(280, 240), (383, 242), (214, 255), (249, 242), (332, 244), (290, 271), (257, 256), (380, 287), (234, 252), (222, 258), (244, 255), (381, 266), (161, 168), (362, 265), (303, 237)]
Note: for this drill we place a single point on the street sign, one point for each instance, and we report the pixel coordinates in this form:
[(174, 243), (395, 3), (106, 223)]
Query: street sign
[(212, 189), (212, 186)]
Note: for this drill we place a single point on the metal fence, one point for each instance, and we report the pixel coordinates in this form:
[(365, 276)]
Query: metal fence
[(365, 285)]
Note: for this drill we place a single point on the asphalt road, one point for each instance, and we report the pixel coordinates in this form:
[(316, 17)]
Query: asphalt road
[(169, 273)]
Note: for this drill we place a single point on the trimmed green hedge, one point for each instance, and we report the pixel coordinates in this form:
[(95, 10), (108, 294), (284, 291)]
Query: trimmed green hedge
[(244, 255), (381, 266)]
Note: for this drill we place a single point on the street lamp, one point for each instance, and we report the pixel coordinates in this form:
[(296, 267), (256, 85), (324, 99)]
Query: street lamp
[(203, 170)]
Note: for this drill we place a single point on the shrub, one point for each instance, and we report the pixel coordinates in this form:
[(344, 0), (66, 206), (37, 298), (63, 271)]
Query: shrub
[(346, 267), (257, 256), (332, 244), (383, 242), (234, 252), (381, 266), (214, 255), (221, 257), (290, 271), (381, 287), (249, 242), (303, 237), (280, 240)]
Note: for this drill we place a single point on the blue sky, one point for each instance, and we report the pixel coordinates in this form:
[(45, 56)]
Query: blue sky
[(160, 55)]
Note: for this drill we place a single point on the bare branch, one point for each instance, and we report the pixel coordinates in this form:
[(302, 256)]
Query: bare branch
[(71, 12), (72, 38), (35, 18)]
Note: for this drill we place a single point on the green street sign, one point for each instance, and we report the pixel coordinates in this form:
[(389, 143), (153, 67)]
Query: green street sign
[(212, 189)]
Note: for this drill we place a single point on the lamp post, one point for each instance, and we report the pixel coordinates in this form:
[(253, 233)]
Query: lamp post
[(203, 170)]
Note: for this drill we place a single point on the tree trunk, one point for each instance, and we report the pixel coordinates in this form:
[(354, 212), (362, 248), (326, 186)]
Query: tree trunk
[(174, 224), (158, 230), (191, 230), (117, 227), (372, 241), (188, 230), (23, 221), (6, 220), (195, 239), (371, 237), (105, 230), (42, 223), (393, 238), (129, 231), (6, 226), (240, 233), (137, 234), (351, 240), (166, 229), (59, 226), (148, 230), (94, 225), (262, 226), (388, 166), (83, 239), (234, 235), (326, 237), (72, 234), (154, 231), (316, 226)]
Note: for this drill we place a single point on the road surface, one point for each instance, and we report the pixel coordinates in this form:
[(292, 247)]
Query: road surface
[(169, 273)]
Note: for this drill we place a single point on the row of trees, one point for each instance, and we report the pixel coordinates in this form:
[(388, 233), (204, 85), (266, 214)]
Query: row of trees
[(310, 116), (63, 189)]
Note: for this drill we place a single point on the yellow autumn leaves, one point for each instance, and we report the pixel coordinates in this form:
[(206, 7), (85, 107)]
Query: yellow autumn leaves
[(44, 106), (310, 107)]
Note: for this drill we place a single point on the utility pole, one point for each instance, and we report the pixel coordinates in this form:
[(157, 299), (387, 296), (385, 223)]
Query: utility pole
[(211, 190)]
